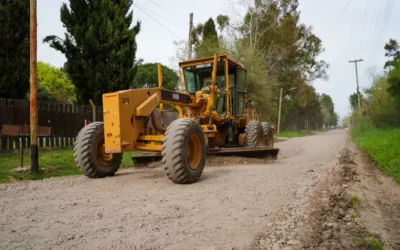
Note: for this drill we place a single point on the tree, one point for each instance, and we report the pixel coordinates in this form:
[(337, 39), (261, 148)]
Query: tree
[(147, 77), (346, 122), (328, 110), (223, 21), (289, 50), (100, 46), (278, 51), (354, 101), (305, 96), (380, 107), (14, 48), (393, 52), (394, 80), (209, 31), (55, 82), (205, 39)]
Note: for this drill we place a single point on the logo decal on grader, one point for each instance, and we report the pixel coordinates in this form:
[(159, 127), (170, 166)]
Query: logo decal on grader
[(175, 96), (212, 119)]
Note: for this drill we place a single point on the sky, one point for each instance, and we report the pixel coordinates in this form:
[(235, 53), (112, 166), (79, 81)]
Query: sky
[(349, 30)]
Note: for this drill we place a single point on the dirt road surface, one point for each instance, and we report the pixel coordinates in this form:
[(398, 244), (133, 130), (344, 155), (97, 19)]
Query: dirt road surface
[(142, 209)]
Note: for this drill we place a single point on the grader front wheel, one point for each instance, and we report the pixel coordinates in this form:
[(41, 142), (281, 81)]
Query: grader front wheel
[(184, 151), (90, 155)]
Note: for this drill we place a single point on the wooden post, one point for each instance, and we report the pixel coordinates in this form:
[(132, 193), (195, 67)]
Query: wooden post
[(94, 109), (190, 36), (279, 114), (33, 90)]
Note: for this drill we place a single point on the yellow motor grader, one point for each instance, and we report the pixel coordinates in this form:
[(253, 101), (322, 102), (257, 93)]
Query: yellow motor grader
[(214, 117)]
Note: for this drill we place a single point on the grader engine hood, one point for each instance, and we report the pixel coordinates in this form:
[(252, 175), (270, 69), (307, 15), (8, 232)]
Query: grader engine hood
[(124, 114)]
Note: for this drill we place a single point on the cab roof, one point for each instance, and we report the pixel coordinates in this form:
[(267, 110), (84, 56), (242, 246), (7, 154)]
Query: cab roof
[(184, 64)]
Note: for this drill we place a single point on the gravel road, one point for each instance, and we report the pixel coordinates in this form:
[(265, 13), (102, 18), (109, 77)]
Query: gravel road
[(142, 209)]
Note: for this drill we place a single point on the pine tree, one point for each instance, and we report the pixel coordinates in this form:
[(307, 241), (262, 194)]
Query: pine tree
[(14, 48), (209, 32), (100, 46), (205, 39)]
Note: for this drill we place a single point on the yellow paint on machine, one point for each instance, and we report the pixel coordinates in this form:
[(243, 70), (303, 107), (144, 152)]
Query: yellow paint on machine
[(125, 117)]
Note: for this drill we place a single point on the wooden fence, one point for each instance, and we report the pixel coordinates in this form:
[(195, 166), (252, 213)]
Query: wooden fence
[(58, 123)]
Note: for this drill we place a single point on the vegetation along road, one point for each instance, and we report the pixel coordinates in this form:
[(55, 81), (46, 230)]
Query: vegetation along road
[(318, 193)]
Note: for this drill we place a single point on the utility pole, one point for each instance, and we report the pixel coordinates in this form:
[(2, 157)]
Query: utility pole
[(279, 115), (190, 36), (33, 90), (280, 107), (358, 88)]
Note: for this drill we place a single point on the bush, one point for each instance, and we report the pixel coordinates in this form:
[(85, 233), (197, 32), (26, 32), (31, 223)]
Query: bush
[(380, 108)]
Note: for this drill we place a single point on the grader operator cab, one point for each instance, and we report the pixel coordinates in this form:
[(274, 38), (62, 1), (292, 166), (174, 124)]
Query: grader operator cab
[(213, 118)]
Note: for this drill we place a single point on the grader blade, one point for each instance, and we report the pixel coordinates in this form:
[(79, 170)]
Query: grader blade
[(257, 152)]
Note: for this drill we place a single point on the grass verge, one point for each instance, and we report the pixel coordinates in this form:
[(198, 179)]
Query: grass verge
[(382, 145), (355, 205), (292, 134), (51, 164), (368, 241)]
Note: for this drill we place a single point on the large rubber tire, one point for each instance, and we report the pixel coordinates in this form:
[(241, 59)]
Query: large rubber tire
[(184, 136), (87, 156), (268, 134), (254, 134)]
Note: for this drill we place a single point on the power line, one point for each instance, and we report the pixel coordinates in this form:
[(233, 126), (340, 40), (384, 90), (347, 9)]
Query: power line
[(160, 16), (157, 22), (387, 16), (340, 16), (387, 12), (168, 11), (376, 26), (365, 14), (377, 20)]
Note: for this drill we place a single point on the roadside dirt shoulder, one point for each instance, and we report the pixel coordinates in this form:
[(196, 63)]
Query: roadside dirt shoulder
[(379, 199), (354, 207)]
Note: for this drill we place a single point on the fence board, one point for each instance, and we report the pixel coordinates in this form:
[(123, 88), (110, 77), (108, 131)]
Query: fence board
[(65, 121), (17, 142), (10, 143)]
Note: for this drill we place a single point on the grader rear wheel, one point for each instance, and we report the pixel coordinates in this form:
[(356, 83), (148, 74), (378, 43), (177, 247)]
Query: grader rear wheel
[(268, 134), (90, 155), (254, 135), (184, 151)]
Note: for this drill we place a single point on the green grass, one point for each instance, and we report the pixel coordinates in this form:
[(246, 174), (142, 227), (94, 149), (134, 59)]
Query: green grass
[(367, 240), (292, 134), (355, 201), (51, 164), (376, 244), (382, 145)]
